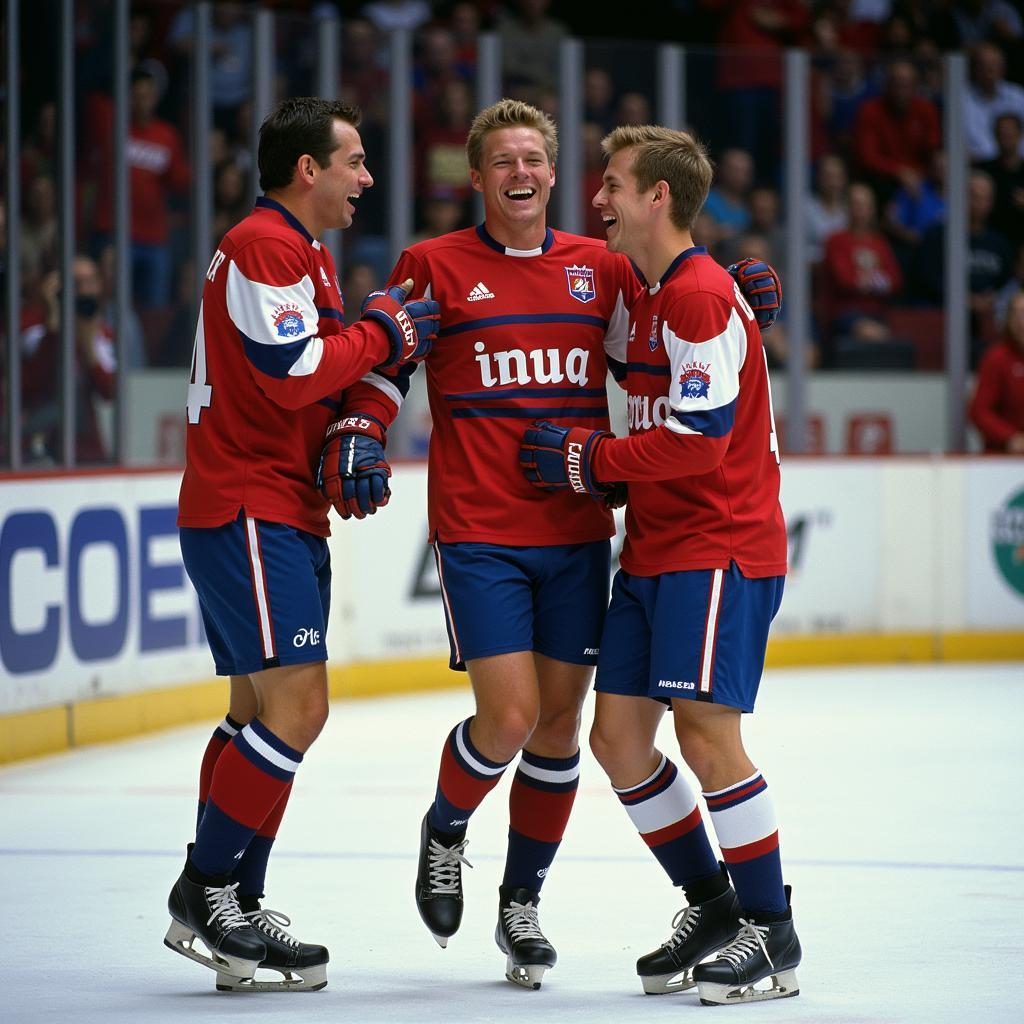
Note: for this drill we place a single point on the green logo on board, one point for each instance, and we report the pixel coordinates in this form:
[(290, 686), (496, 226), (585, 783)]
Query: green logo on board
[(1008, 541)]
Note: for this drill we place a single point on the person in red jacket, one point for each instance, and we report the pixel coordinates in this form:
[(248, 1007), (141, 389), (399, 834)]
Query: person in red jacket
[(896, 133), (997, 407), (157, 165)]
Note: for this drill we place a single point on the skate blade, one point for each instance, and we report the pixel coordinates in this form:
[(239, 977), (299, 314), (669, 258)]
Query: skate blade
[(441, 940), (309, 979), (660, 984), (182, 940), (784, 985), (525, 975)]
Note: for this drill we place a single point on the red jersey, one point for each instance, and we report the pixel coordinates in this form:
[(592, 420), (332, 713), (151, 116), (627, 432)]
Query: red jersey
[(702, 458), (271, 359), (997, 408), (525, 335)]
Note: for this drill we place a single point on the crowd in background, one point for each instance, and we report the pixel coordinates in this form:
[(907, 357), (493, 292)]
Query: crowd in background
[(874, 221)]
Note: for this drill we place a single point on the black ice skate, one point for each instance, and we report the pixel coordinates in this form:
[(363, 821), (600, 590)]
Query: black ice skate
[(699, 931), (769, 949), (303, 965), (439, 881), (518, 935), (209, 909)]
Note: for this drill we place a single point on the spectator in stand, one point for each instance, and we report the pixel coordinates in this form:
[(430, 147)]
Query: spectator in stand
[(39, 227), (909, 214), (599, 101), (391, 14), (825, 210), (157, 168), (364, 74), (860, 275), (137, 355), (1013, 287), (593, 178), (436, 67), (95, 374), (465, 20), (997, 407), (441, 145), (444, 210), (726, 207), (230, 199), (360, 279), (633, 108), (896, 133), (977, 20), (39, 152), (1007, 173), (846, 91), (988, 96), (529, 47), (751, 81)]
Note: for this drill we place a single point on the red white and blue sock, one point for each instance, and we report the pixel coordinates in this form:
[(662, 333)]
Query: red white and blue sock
[(748, 834), (539, 802), (249, 778), (465, 778), (664, 810), (251, 872), (221, 737)]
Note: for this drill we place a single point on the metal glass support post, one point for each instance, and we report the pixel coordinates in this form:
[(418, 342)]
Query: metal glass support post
[(12, 297), (672, 86), (122, 227), (570, 136), (488, 90), (262, 86), (66, 231), (202, 191), (328, 71), (402, 198)]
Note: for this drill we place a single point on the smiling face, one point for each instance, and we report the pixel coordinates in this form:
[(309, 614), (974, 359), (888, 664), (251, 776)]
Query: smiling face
[(624, 210), (515, 177), (341, 181)]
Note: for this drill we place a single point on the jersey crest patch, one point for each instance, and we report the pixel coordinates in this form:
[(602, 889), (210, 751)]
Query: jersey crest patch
[(695, 381), (288, 321), (581, 283), (652, 339), (325, 278)]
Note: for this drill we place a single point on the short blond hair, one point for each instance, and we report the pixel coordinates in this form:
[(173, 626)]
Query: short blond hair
[(509, 114), (664, 154)]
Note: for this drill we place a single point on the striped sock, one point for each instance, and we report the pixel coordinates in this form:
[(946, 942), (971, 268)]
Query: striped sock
[(250, 777), (665, 812), (465, 778), (748, 833), (221, 737), (539, 803), (251, 873)]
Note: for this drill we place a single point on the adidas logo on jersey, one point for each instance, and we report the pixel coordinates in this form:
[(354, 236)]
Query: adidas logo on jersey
[(479, 291)]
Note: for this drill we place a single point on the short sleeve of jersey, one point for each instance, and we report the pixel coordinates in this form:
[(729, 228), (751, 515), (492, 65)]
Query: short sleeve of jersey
[(616, 339), (706, 343)]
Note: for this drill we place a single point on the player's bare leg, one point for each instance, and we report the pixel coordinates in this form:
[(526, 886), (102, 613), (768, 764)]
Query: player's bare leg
[(553, 743), (767, 947), (507, 709)]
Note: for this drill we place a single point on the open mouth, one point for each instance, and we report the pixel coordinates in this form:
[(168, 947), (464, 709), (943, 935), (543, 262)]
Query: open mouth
[(521, 194), (609, 221)]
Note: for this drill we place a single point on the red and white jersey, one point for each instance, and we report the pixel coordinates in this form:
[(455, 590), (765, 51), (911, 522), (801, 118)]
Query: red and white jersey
[(702, 457), (525, 335), (271, 359)]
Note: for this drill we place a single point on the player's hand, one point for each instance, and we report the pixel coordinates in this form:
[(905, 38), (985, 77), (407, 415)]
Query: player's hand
[(556, 458), (616, 495), (761, 288), (411, 326), (353, 473)]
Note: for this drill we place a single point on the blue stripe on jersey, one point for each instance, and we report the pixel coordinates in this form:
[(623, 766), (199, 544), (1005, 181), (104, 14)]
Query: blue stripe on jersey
[(403, 378), (657, 371), (334, 314), (527, 393), (524, 318), (329, 403), (618, 368), (525, 414), (290, 218), (274, 360), (712, 423)]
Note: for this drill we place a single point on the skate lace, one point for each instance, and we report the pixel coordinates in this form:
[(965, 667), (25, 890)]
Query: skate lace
[(684, 922), (444, 865), (223, 904), (273, 923), (521, 921), (745, 944)]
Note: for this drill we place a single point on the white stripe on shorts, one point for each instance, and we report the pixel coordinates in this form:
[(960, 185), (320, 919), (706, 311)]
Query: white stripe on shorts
[(259, 583), (447, 606), (709, 631)]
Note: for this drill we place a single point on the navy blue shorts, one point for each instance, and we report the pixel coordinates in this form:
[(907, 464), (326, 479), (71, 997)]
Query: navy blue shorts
[(549, 599), (696, 635), (264, 591)]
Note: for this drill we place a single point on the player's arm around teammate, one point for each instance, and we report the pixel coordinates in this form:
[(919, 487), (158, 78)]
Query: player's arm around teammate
[(271, 357)]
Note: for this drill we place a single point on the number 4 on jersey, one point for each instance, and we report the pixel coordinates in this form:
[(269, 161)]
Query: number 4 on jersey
[(199, 392)]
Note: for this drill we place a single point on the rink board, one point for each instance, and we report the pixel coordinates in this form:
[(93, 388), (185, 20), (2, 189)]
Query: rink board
[(897, 560)]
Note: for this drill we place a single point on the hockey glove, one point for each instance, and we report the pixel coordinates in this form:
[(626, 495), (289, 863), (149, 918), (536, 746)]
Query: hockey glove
[(761, 288), (411, 326), (556, 458), (353, 473)]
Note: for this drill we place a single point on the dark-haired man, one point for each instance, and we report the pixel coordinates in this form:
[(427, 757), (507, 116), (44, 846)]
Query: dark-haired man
[(272, 357)]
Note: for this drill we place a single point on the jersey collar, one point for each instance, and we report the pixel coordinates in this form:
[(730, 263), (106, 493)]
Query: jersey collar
[(694, 250), (262, 202), (482, 234)]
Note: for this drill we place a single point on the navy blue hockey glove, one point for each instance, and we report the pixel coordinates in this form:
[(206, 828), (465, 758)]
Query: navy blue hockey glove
[(411, 326), (556, 458), (353, 473), (761, 288)]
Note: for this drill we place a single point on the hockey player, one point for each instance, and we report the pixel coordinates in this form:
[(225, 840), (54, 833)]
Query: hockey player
[(271, 359), (701, 579)]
